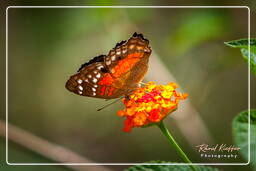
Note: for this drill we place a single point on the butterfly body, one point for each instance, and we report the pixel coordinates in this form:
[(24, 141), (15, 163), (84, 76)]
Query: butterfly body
[(113, 75)]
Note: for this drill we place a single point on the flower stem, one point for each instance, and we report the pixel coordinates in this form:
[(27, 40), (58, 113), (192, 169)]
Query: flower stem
[(175, 144)]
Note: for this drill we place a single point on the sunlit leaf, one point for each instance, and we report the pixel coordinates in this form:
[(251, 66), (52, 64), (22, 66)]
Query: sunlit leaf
[(240, 133), (245, 54), (243, 45)]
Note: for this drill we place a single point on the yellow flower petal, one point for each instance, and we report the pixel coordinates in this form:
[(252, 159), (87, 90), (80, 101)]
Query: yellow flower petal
[(150, 104)]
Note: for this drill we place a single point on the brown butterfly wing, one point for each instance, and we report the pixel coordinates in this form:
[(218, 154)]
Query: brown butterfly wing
[(113, 75), (85, 82), (128, 62)]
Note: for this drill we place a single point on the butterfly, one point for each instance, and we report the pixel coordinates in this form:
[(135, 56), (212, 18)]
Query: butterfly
[(116, 74)]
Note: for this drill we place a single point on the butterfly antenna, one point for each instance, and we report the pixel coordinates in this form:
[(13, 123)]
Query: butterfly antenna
[(109, 104)]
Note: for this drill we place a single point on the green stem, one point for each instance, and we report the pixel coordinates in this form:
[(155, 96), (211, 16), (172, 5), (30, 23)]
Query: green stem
[(175, 144)]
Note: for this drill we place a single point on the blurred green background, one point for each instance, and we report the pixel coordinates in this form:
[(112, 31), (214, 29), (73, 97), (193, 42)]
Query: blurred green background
[(46, 46)]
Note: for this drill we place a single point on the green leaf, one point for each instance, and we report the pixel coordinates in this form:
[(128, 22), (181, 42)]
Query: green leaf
[(243, 45), (240, 133), (245, 54), (167, 167)]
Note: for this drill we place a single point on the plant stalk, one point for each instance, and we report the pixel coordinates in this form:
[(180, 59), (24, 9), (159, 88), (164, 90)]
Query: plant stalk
[(175, 144)]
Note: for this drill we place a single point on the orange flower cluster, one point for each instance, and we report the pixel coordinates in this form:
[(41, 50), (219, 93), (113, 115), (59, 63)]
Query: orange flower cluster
[(149, 104)]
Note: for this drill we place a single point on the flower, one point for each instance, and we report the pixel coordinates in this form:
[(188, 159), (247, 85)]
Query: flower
[(150, 104)]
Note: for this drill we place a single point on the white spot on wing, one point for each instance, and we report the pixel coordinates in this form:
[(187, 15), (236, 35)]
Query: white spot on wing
[(108, 62), (89, 76), (94, 80), (80, 88), (99, 67), (146, 49), (80, 92), (118, 53), (79, 81), (93, 93), (98, 75), (93, 89), (113, 58)]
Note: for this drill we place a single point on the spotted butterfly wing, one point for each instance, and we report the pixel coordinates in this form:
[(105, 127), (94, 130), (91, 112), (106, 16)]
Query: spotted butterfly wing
[(113, 75)]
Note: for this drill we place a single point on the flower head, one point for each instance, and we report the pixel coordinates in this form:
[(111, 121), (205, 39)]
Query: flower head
[(149, 104)]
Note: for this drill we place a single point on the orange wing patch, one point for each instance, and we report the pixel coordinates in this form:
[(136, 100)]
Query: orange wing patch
[(126, 64), (107, 90), (102, 90), (110, 91), (106, 80)]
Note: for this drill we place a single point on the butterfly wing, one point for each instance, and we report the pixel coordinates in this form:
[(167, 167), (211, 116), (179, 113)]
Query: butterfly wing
[(128, 61), (113, 75), (86, 81)]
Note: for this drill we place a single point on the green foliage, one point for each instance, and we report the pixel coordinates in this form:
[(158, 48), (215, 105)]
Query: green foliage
[(243, 45), (197, 28), (168, 167), (240, 133), (245, 54), (136, 16)]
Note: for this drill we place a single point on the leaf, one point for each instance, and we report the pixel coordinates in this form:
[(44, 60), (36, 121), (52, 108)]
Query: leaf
[(243, 45), (240, 134), (167, 167), (245, 54)]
